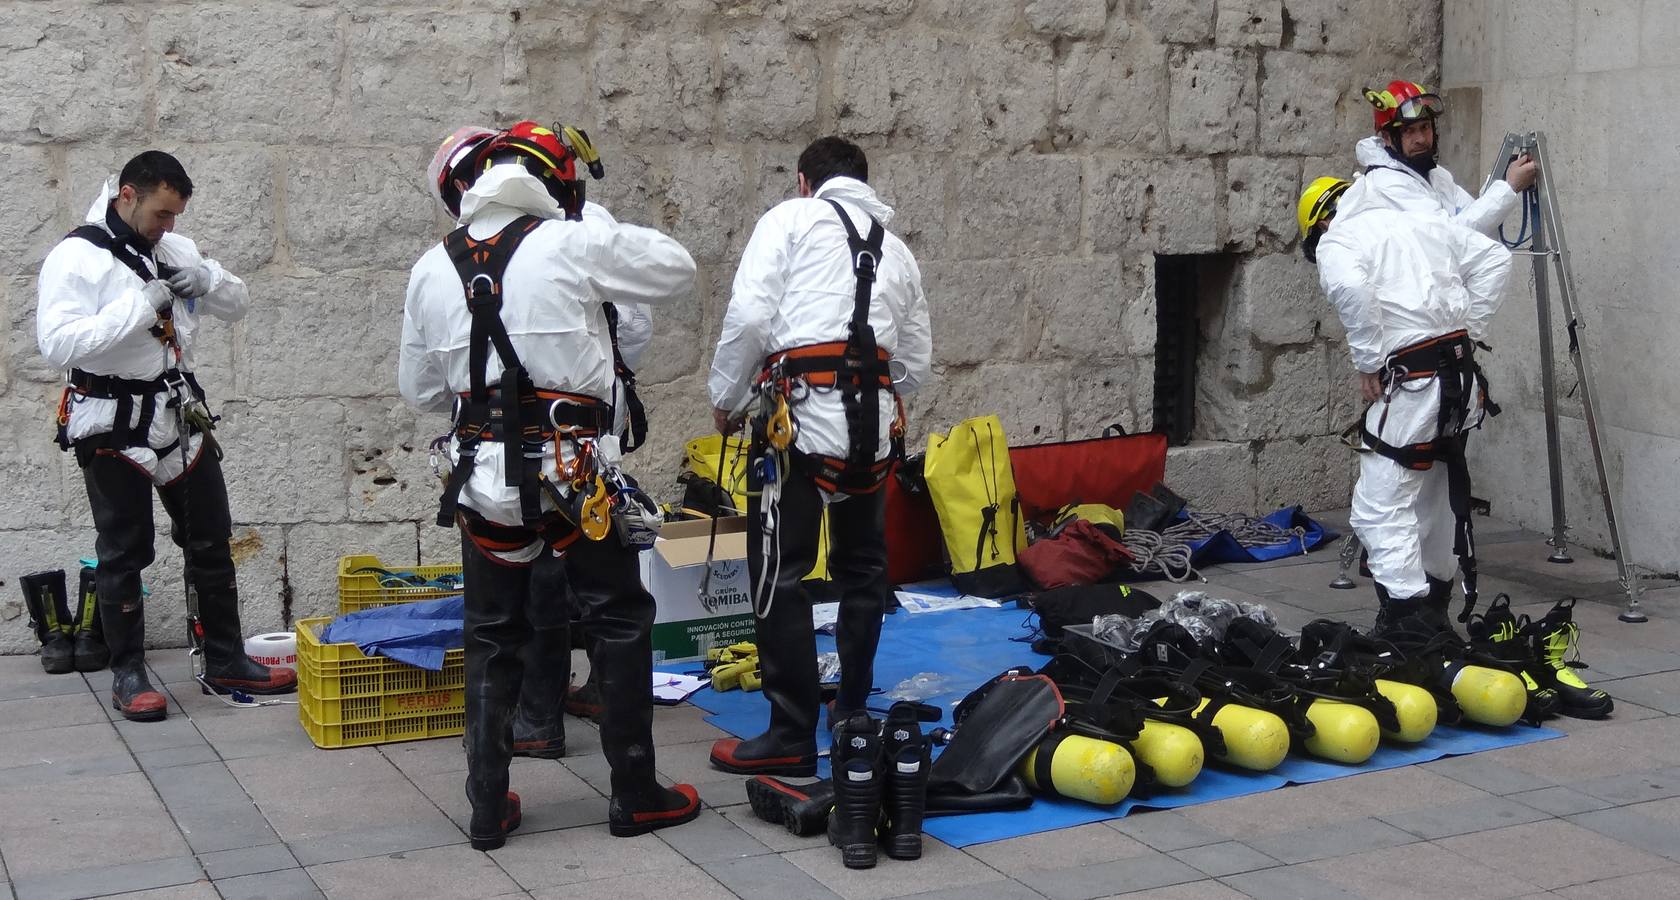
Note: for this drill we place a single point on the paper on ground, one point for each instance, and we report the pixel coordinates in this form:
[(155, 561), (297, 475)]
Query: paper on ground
[(672, 688), (924, 603)]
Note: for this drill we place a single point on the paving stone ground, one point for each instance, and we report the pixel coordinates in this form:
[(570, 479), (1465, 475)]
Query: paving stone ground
[(218, 802)]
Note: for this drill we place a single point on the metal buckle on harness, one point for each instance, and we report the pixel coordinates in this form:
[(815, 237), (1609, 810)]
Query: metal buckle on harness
[(863, 271), (489, 298), (554, 417)]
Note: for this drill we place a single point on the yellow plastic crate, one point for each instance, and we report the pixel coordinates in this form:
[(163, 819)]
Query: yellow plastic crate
[(349, 699), (384, 731), (363, 591)]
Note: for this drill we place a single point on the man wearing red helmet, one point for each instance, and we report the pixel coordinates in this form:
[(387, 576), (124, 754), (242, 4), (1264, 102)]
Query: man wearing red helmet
[(1401, 170), (505, 321)]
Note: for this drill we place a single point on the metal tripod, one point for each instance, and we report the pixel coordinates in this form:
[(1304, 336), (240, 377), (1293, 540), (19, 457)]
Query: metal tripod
[(1543, 227)]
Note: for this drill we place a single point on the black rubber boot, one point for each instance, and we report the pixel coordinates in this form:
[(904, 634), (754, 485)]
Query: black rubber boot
[(226, 667), (88, 635), (618, 613), (905, 753), (800, 808), (539, 727), (1553, 641), (494, 631), (1392, 612), (1496, 632), (132, 693), (856, 760), (787, 647), (1437, 606), (584, 700), (49, 615)]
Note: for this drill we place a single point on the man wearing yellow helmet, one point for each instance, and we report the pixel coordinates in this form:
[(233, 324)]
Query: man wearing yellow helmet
[(1401, 170), (1415, 292)]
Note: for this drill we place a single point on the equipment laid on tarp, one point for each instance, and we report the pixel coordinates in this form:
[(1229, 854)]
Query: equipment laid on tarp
[(972, 484)]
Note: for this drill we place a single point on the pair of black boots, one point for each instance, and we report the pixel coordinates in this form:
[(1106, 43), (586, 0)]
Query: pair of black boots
[(69, 642), (877, 796)]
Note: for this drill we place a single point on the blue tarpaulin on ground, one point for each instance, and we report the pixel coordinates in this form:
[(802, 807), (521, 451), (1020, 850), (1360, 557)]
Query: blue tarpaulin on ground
[(414, 633), (1222, 546), (970, 646)]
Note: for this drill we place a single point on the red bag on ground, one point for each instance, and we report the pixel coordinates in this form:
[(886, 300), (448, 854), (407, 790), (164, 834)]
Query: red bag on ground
[(1081, 554), (1106, 470), (915, 551)]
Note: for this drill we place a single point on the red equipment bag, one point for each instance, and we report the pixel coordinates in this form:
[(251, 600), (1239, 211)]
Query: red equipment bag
[(1105, 470)]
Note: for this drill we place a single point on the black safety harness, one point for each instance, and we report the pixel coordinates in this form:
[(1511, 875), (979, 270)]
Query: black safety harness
[(1451, 360), (635, 414), (127, 431), (514, 411), (858, 367)]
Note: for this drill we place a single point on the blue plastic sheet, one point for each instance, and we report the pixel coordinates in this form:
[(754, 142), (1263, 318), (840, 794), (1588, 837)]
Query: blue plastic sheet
[(414, 633), (1222, 546), (971, 646)]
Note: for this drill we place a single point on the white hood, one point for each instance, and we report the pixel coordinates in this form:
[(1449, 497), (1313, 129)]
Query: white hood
[(858, 194), (510, 187), (107, 193)]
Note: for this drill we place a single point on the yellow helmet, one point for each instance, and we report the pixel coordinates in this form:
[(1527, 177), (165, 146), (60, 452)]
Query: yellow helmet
[(1318, 202)]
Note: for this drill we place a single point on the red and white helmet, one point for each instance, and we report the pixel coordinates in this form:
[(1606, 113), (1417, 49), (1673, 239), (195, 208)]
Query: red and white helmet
[(454, 158), (1404, 102)]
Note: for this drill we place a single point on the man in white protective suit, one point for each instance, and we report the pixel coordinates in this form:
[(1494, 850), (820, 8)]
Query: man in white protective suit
[(506, 321), (122, 299)]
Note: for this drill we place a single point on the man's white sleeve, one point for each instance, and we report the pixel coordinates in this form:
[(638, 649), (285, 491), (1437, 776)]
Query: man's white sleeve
[(915, 336), (633, 264), (1344, 274), (759, 283), (70, 323), (1484, 214), (422, 382), (1484, 265)]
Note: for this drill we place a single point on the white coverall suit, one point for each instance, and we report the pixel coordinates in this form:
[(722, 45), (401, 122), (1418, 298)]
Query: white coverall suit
[(1398, 278)]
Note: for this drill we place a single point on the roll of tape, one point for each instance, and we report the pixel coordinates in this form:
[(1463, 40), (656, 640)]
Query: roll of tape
[(277, 649)]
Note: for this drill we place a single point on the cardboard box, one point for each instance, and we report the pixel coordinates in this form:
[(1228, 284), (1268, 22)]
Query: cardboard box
[(687, 623)]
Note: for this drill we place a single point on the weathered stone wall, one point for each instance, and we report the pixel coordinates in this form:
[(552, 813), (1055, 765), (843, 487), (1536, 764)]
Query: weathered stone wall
[(1591, 75), (1040, 151)]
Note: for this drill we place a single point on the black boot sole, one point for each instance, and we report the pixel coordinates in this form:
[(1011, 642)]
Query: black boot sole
[(857, 856), (157, 715), (64, 666), (902, 846), (788, 807), (788, 770), (634, 829), (540, 752), (1591, 709)]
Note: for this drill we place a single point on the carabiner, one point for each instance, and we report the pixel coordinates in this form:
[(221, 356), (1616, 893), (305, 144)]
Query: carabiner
[(596, 518), (780, 430)]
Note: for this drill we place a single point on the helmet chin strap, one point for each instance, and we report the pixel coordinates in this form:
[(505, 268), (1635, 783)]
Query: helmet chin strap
[(1421, 163)]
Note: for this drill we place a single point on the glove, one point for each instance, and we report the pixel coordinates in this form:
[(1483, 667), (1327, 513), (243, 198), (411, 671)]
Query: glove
[(193, 283), (159, 294)]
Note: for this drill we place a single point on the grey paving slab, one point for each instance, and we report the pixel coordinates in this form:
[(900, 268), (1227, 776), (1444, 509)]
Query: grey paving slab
[(1633, 787), (26, 684), (1340, 839), (173, 732), (1060, 849), (54, 826), (311, 794), (247, 861), (1560, 801), (1480, 772), (286, 884), (66, 769), (548, 794), (1632, 826), (198, 890), (990, 890), (1227, 858), (431, 831), (1419, 870), (1638, 886), (551, 858), (94, 882), (767, 878), (169, 757), (6, 891), (245, 733), (1615, 659), (723, 794), (1660, 691), (203, 783), (78, 708), (1463, 817), (939, 867), (1572, 854), (593, 769), (58, 745), (454, 871), (689, 882), (1207, 889), (1288, 883), (1166, 830), (770, 835), (1326, 803), (711, 838), (433, 757), (1103, 879)]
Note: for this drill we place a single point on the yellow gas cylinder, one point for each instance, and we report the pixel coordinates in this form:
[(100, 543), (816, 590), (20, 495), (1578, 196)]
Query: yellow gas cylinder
[(1254, 738), (1081, 768), (1487, 696), (1417, 709), (1343, 732), (1172, 751)]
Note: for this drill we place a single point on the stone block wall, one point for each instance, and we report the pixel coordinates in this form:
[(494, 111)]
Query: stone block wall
[(1041, 152), (1590, 75)]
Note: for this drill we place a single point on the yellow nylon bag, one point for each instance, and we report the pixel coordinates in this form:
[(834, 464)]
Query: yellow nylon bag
[(973, 490), (701, 458)]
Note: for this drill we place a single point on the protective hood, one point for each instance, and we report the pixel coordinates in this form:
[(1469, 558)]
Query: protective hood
[(1409, 192), (858, 194), (102, 201), (508, 186)]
